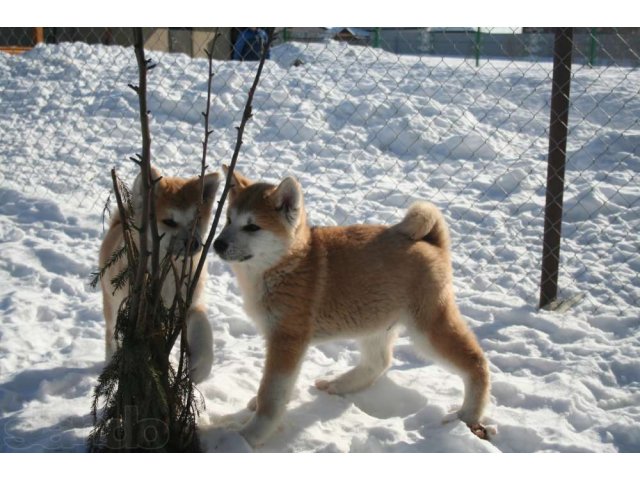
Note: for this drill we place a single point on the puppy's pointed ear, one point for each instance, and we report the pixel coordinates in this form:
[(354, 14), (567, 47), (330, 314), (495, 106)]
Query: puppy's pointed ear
[(136, 192), (287, 198), (238, 182), (211, 184)]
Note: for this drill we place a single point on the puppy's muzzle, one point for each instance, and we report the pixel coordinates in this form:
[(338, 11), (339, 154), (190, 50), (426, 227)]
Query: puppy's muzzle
[(194, 247), (181, 247), (229, 254)]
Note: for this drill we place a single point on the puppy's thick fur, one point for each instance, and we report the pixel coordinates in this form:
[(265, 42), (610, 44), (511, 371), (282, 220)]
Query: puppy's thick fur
[(176, 202), (303, 285)]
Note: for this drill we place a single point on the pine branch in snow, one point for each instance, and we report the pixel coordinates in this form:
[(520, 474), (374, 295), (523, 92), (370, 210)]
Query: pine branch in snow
[(140, 382), (113, 259), (139, 389)]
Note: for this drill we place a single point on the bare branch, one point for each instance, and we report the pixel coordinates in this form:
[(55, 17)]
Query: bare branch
[(245, 118), (148, 217), (203, 163)]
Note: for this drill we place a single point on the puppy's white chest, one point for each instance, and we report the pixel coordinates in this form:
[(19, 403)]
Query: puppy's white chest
[(253, 289)]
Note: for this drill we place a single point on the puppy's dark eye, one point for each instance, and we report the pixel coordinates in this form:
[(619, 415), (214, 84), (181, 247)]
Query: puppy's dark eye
[(251, 228), (170, 222)]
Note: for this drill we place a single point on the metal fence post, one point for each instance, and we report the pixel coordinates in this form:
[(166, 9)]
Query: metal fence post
[(476, 45), (38, 35), (376, 37), (560, 91), (592, 47)]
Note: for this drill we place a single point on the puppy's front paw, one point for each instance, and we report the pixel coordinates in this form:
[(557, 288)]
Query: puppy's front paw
[(257, 430), (200, 340), (479, 431)]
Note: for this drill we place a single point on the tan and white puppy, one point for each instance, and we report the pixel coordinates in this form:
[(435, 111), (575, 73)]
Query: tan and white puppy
[(303, 285), (176, 203)]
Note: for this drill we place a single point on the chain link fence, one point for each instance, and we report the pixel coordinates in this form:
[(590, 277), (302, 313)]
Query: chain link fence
[(369, 120)]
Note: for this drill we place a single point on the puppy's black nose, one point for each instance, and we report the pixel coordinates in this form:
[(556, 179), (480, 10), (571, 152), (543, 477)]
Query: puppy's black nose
[(220, 246)]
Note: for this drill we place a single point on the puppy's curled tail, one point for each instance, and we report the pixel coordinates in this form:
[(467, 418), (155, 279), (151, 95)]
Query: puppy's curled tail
[(424, 221)]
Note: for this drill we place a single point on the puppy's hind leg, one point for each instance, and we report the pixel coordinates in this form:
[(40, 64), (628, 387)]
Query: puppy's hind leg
[(375, 358), (445, 337)]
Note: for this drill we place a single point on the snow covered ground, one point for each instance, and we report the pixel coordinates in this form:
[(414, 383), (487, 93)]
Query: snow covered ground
[(366, 132)]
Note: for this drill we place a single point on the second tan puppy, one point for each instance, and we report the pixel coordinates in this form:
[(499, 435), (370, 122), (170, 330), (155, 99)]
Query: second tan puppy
[(176, 201), (303, 285)]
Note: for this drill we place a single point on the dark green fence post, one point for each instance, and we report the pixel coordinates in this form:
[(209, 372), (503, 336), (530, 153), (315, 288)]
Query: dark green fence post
[(376, 37), (592, 47), (476, 46)]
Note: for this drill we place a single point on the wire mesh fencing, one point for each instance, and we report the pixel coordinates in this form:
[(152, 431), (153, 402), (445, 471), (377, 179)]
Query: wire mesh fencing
[(369, 120)]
